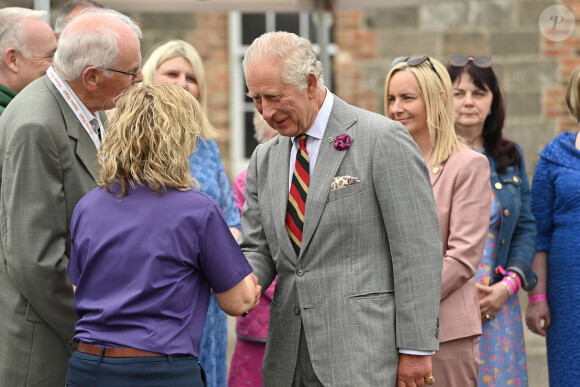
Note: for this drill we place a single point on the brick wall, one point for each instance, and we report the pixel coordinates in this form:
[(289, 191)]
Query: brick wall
[(533, 70)]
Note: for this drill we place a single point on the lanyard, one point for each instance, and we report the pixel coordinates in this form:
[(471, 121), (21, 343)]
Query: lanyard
[(74, 104)]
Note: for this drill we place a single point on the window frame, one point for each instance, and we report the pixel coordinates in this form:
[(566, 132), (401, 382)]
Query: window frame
[(238, 104)]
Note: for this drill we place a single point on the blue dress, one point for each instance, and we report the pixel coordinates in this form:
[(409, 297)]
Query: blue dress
[(556, 206), (501, 348), (206, 166)]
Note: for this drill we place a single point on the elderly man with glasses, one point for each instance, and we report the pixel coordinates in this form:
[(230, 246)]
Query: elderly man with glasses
[(49, 138)]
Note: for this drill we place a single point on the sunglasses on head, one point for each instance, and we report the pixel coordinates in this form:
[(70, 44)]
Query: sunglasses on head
[(414, 61), (483, 62)]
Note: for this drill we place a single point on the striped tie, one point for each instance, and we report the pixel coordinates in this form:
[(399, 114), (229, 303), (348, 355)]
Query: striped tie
[(297, 196)]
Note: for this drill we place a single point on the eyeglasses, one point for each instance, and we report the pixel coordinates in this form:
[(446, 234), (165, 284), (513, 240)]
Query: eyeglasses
[(134, 75), (483, 62), (415, 61)]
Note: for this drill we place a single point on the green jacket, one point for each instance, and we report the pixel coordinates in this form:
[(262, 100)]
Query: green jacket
[(6, 95)]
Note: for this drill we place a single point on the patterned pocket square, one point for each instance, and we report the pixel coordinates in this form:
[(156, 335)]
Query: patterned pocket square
[(343, 181)]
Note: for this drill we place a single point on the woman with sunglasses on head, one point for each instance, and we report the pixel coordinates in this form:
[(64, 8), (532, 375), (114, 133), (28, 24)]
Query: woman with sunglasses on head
[(509, 251), (179, 63), (554, 305), (418, 94)]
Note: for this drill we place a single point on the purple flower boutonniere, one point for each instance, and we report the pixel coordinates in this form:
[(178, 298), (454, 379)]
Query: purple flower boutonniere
[(342, 142)]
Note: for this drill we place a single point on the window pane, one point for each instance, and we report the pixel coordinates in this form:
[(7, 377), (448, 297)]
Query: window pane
[(250, 141), (288, 22), (253, 25)]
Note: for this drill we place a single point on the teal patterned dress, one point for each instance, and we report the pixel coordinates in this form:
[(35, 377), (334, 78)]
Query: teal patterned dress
[(206, 166), (501, 348)]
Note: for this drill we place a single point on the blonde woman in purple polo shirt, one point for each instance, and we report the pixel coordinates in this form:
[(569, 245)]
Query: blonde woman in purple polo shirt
[(147, 249)]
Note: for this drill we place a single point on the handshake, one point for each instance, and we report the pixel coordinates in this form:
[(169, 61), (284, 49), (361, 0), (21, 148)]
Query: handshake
[(242, 298)]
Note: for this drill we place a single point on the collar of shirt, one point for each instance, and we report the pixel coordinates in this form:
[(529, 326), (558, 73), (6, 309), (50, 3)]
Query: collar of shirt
[(315, 134)]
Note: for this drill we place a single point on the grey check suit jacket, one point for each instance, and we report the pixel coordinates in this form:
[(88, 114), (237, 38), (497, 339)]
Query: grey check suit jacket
[(368, 279), (47, 163)]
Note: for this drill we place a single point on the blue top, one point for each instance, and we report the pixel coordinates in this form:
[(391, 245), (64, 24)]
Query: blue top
[(206, 166), (516, 244), (555, 188), (144, 265)]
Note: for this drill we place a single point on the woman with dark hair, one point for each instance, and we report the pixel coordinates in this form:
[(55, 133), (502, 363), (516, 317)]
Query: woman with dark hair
[(509, 251)]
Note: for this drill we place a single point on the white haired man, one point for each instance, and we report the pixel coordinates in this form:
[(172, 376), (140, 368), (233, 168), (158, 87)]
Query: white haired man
[(27, 46), (49, 137), (359, 274)]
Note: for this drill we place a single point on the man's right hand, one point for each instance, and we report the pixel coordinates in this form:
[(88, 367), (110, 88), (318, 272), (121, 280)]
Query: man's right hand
[(413, 370)]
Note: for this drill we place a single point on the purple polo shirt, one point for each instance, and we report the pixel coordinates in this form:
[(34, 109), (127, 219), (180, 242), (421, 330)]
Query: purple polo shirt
[(144, 265)]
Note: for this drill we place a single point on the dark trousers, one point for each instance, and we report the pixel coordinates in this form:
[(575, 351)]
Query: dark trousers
[(86, 370), (304, 375)]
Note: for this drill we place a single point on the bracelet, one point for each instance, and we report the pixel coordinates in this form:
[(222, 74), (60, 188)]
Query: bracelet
[(537, 298), (513, 284), (516, 277), (507, 287)]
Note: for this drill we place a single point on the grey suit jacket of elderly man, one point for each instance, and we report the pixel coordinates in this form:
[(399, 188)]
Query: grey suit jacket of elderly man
[(47, 163), (368, 279)]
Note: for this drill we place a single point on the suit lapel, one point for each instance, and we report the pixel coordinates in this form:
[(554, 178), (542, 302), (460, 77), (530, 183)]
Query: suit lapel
[(85, 148), (327, 163), (279, 161)]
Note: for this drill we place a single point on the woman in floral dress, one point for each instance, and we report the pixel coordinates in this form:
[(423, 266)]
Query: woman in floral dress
[(506, 263)]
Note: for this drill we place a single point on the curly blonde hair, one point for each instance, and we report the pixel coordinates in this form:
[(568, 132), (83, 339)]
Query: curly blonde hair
[(150, 139)]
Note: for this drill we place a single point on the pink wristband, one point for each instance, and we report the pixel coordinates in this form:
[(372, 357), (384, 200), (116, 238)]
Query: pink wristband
[(511, 284), (516, 277), (537, 298), (513, 281)]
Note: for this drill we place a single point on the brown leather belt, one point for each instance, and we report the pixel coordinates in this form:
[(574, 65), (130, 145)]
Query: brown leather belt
[(115, 352)]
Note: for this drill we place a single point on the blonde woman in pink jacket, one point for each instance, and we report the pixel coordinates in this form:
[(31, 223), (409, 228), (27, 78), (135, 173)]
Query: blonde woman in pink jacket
[(418, 94)]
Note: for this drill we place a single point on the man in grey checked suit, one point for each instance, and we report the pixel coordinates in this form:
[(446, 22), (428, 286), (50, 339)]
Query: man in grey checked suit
[(359, 305), (47, 163)]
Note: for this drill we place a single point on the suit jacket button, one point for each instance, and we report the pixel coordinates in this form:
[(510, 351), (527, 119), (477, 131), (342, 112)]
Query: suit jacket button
[(300, 273), (296, 310), (498, 185)]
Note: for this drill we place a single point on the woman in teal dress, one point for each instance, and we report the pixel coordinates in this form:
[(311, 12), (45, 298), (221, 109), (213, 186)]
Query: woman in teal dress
[(506, 263), (555, 310), (177, 62)]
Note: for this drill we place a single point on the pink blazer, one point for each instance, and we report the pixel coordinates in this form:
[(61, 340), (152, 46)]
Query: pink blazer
[(463, 199)]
